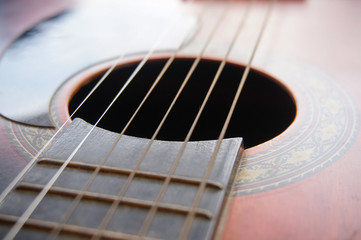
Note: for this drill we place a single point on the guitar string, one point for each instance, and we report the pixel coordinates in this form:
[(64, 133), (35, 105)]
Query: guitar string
[(200, 192), (229, 116), (115, 204), (15, 181), (25, 216), (55, 232), (165, 185)]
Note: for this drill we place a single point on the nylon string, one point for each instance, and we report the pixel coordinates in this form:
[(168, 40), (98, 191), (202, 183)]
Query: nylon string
[(201, 189), (82, 192), (131, 176), (151, 214), (25, 216), (143, 231)]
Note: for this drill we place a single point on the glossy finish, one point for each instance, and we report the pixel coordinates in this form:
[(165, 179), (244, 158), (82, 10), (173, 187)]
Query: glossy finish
[(56, 48), (324, 204)]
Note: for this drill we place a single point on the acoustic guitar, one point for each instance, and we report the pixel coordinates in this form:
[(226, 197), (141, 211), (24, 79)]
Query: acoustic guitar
[(180, 119)]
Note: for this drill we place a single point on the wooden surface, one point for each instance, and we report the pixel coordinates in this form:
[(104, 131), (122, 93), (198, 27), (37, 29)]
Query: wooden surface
[(327, 204), (99, 181), (323, 205)]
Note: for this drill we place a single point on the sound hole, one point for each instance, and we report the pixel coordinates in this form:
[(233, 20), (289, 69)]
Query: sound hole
[(264, 110)]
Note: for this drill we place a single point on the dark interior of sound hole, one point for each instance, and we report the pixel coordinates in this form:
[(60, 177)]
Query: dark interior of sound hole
[(264, 110)]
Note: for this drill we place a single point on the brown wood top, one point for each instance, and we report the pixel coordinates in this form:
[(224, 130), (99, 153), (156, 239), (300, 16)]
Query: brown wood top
[(321, 201)]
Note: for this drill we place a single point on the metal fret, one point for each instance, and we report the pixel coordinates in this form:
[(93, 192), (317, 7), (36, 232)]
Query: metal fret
[(139, 198), (111, 198), (116, 170), (46, 226)]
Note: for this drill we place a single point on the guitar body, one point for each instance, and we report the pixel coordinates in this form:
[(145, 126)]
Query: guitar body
[(303, 183)]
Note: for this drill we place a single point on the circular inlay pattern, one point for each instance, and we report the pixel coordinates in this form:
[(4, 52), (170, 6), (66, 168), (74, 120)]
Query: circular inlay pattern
[(326, 125)]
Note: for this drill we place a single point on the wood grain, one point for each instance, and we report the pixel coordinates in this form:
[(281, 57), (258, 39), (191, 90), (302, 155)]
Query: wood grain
[(326, 205)]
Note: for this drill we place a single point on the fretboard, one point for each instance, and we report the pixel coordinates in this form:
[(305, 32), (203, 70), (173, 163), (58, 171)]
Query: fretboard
[(117, 196)]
